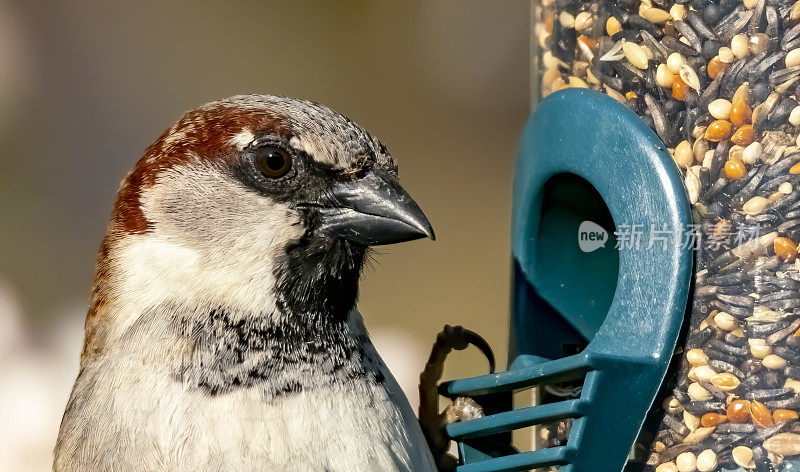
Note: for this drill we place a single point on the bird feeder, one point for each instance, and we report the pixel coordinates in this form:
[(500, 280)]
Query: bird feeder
[(656, 221)]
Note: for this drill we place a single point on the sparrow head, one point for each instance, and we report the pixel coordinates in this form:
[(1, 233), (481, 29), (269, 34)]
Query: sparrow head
[(299, 157), (255, 200)]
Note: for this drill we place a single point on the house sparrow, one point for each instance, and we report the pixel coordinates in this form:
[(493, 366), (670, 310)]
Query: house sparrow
[(222, 333)]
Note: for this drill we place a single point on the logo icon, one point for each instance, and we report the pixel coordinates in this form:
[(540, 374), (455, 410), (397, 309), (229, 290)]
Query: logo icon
[(591, 236)]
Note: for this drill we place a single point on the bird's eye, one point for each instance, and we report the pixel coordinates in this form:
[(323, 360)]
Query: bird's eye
[(273, 162)]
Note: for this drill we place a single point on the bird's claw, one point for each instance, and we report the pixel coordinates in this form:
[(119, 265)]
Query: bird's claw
[(462, 408), (458, 338)]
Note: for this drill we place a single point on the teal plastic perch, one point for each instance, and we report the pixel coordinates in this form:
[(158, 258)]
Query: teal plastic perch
[(585, 157)]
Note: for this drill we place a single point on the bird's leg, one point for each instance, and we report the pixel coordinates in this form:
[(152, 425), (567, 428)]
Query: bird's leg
[(462, 408)]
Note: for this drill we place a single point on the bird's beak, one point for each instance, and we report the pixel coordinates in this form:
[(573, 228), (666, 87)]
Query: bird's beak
[(374, 210)]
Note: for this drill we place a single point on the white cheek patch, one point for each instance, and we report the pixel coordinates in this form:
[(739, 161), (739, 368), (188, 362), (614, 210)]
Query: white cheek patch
[(213, 241), (242, 139)]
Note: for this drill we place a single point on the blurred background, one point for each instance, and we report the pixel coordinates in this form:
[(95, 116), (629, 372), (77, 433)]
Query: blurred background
[(85, 86)]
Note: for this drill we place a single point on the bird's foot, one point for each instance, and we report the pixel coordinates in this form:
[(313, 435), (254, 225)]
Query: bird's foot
[(462, 408)]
